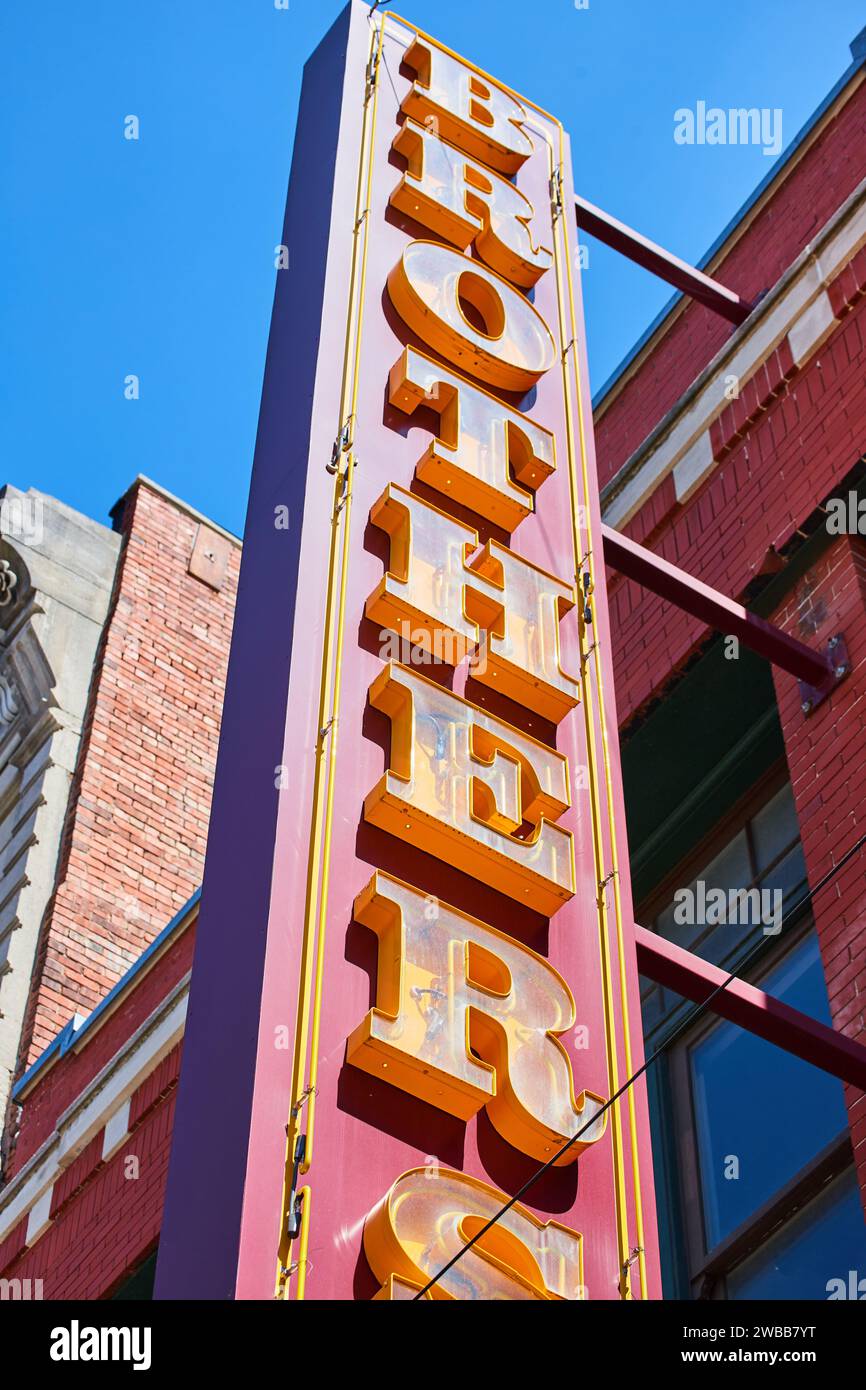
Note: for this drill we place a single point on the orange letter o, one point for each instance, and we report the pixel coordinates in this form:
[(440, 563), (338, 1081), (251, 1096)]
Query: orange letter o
[(471, 316)]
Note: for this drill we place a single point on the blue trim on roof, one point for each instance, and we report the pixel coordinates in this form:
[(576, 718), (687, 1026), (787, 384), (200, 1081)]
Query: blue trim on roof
[(858, 49), (70, 1034)]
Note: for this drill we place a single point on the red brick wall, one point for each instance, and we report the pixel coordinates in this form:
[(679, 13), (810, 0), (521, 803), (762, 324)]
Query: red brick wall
[(68, 1077), (109, 1223), (825, 756), (824, 177), (105, 1217), (134, 841), (781, 449), (790, 457)]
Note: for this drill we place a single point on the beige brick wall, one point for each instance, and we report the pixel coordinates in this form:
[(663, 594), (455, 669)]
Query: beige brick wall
[(134, 840)]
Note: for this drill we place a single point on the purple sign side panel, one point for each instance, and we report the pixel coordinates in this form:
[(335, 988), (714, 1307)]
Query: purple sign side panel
[(225, 1175)]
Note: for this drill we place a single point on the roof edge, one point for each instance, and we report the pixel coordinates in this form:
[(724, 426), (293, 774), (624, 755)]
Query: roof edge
[(72, 1032), (142, 480), (858, 50)]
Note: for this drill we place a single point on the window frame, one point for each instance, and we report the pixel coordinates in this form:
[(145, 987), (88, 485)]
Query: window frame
[(707, 1266), (708, 848), (796, 911)]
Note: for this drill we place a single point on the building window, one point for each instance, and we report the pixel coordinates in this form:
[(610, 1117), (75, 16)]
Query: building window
[(764, 1154), (751, 1137), (764, 857), (758, 853), (814, 1254), (755, 1173)]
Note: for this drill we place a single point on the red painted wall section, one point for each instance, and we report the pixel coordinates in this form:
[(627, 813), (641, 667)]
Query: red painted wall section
[(825, 756), (154, 1090), (75, 1177), (105, 1216), (826, 773), (823, 178), (12, 1245), (111, 1223), (68, 1076), (134, 841), (800, 444)]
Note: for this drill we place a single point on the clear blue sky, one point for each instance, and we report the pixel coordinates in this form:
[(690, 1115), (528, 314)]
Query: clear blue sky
[(156, 257)]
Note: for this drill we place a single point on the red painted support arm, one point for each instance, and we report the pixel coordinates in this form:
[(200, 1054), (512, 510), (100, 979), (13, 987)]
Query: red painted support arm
[(712, 608), (751, 1008), (653, 258)]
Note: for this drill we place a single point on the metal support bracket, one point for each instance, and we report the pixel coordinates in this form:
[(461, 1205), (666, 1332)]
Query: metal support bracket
[(293, 1212), (750, 1007), (556, 196), (836, 653), (717, 611), (646, 253), (342, 444)]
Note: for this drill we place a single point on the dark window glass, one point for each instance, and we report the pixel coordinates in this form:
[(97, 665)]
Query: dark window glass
[(761, 872), (774, 828), (759, 1112), (820, 1253), (138, 1286)]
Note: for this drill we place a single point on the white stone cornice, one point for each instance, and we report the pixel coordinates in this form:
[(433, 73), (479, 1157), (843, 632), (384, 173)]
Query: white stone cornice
[(798, 308)]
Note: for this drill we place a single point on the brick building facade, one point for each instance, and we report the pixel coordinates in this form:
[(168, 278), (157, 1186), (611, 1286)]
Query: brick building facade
[(136, 827), (57, 576), (719, 448), (134, 812)]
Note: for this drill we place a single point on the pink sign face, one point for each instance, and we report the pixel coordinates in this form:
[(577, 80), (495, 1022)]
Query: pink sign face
[(467, 997)]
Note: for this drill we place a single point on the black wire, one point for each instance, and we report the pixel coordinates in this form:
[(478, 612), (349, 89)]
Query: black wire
[(685, 1023)]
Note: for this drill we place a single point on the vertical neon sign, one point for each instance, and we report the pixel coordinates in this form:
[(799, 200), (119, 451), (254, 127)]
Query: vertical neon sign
[(449, 882)]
